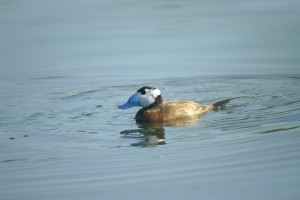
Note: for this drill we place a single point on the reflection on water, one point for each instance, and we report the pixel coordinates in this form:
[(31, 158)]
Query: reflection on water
[(148, 134), (153, 133)]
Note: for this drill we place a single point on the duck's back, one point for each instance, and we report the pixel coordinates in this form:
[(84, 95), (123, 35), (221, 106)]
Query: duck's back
[(172, 110)]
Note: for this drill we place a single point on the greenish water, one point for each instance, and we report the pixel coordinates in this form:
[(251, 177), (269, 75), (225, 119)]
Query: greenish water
[(67, 65)]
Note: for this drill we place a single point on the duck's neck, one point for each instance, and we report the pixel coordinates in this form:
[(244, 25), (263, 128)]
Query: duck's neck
[(158, 102)]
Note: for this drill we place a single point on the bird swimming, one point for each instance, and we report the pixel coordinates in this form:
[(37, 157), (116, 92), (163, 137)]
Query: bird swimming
[(154, 109)]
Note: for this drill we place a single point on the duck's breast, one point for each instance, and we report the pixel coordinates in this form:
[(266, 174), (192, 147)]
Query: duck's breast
[(149, 115)]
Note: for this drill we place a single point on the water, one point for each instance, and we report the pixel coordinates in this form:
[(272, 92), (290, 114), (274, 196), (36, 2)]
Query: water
[(66, 66)]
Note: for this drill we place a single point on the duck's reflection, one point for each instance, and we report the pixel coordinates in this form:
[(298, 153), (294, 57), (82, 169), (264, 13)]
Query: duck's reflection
[(147, 134), (153, 134)]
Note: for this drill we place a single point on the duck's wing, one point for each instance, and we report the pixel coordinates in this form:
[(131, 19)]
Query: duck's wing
[(183, 109)]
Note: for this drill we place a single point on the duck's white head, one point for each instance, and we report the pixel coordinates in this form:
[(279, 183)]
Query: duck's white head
[(145, 97)]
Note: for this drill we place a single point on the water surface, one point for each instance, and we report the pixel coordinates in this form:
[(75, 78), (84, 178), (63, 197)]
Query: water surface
[(77, 144), (67, 65)]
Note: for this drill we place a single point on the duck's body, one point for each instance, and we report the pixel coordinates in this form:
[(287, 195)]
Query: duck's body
[(172, 110), (155, 110)]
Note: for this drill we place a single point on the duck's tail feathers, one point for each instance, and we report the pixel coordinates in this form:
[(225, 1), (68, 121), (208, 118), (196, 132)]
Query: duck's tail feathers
[(221, 104)]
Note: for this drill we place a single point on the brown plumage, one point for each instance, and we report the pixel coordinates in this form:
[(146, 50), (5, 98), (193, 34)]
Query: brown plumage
[(172, 110)]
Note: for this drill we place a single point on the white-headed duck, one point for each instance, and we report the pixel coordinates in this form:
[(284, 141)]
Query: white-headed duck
[(154, 109)]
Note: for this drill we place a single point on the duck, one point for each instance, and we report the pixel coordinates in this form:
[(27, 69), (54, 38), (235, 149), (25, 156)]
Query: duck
[(154, 109)]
